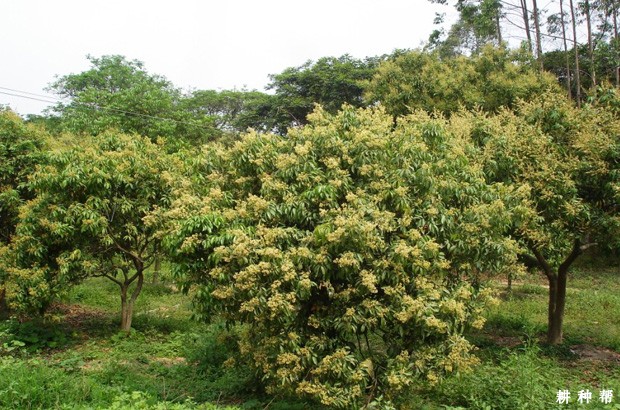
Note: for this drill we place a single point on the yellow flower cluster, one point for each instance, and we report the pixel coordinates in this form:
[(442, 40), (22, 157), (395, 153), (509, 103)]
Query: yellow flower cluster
[(368, 280), (347, 259), (454, 309)]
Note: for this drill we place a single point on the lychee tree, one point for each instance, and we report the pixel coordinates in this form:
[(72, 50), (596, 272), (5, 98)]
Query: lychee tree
[(20, 148), (352, 251), (91, 217), (567, 162)]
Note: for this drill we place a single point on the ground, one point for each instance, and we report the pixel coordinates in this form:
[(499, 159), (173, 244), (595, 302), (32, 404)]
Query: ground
[(77, 359)]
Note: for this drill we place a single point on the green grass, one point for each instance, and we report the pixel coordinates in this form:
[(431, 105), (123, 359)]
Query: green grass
[(77, 358), (519, 371), (592, 312)]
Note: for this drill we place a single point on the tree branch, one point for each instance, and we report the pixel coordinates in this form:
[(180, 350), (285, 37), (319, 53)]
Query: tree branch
[(587, 246), (572, 256), (126, 251), (131, 279), (138, 289), (542, 262), (112, 278)]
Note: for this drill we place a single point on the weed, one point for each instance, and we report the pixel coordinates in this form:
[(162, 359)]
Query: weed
[(33, 336), (521, 380)]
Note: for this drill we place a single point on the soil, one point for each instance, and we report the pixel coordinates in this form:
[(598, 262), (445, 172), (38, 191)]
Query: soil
[(589, 353)]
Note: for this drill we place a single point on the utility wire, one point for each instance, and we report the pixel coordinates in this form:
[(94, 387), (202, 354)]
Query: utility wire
[(51, 97), (25, 96), (93, 106)]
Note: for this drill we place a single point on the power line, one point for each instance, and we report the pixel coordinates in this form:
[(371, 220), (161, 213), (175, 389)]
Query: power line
[(93, 106), (29, 93), (25, 96)]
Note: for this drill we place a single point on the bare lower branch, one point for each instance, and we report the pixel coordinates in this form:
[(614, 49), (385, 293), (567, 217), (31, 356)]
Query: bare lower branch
[(136, 275), (113, 279), (587, 246), (542, 262), (575, 252)]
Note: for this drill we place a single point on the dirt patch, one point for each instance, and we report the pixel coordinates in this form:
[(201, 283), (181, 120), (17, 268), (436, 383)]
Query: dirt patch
[(92, 366), (589, 353), (506, 341), (170, 361), (77, 316)]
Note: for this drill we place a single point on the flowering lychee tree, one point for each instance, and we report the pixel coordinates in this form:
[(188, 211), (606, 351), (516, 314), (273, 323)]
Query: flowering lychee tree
[(352, 250), (20, 147), (91, 216), (567, 162)]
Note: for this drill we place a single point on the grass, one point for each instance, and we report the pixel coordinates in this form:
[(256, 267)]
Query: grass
[(519, 371), (592, 312), (77, 359)]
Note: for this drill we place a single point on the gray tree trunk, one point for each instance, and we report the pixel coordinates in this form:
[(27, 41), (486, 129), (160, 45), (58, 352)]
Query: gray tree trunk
[(526, 21), (576, 48), (128, 301), (568, 81), (539, 54)]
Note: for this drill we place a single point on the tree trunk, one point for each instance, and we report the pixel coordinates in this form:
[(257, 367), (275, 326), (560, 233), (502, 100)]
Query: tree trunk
[(498, 26), (557, 291), (554, 329), (555, 306), (4, 310), (557, 303), (568, 82), (526, 21), (539, 54), (127, 301), (615, 23), (126, 310), (156, 269), (576, 48), (615, 19), (586, 6)]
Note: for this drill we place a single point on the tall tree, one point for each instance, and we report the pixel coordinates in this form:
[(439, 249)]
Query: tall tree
[(565, 43), (608, 28), (477, 26), (526, 23), (576, 50), (119, 93), (232, 111), (587, 11), (556, 24), (329, 82), (538, 34), (566, 161)]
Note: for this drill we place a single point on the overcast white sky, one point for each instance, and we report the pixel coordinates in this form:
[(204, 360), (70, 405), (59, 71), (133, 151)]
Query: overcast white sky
[(196, 44)]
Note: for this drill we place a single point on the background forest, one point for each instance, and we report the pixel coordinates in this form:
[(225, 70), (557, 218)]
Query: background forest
[(434, 228)]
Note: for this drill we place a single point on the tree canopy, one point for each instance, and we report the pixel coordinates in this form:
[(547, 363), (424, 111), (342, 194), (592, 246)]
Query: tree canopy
[(345, 231), (89, 217), (567, 160), (329, 82), (20, 151), (493, 79), (116, 93)]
